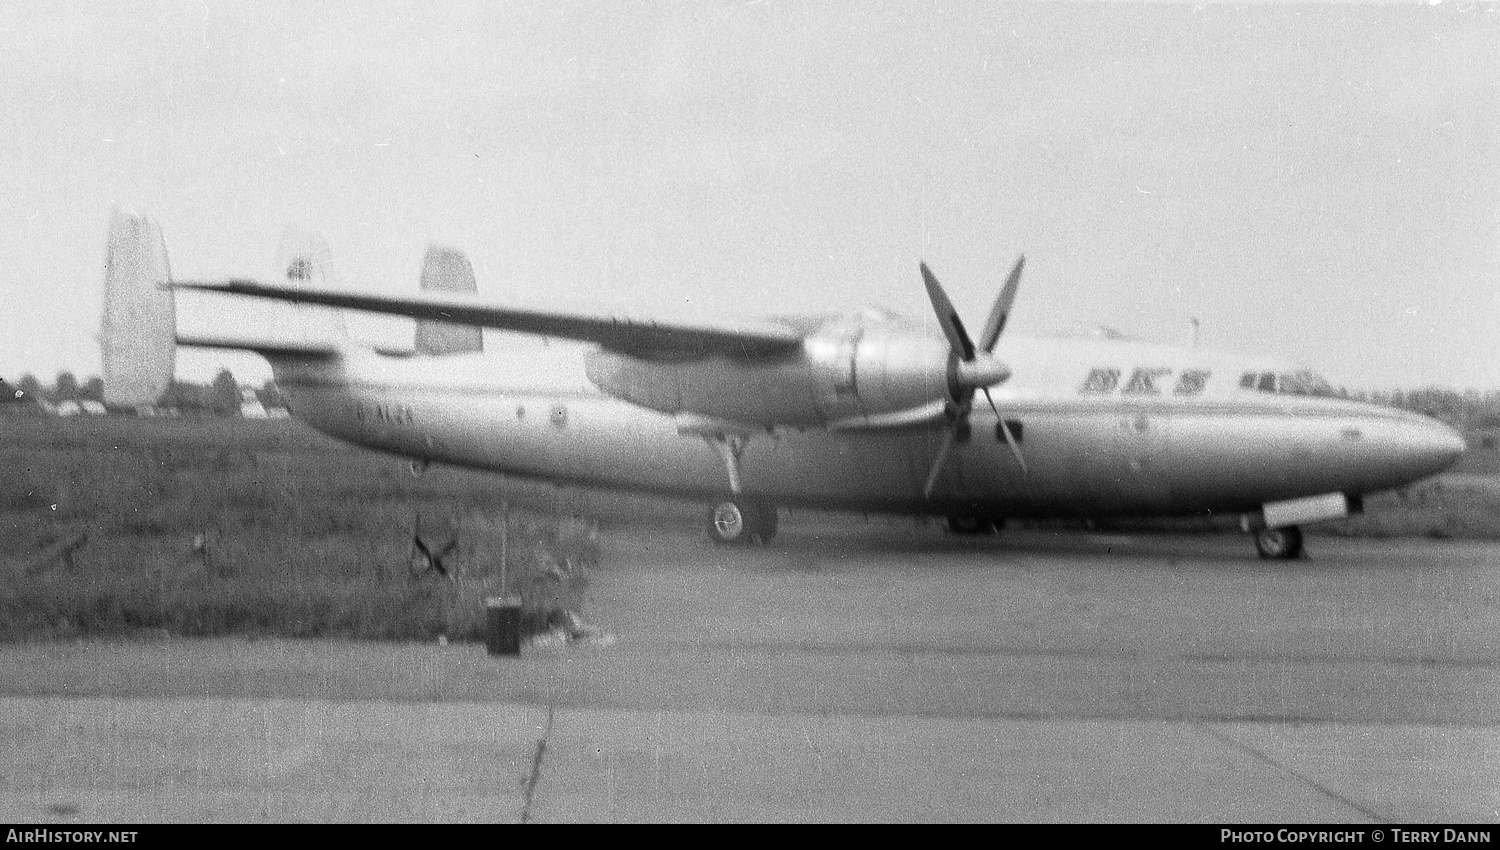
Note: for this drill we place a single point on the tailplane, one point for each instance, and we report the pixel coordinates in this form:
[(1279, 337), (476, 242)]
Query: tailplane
[(140, 320), (447, 270), (303, 259), (140, 335)]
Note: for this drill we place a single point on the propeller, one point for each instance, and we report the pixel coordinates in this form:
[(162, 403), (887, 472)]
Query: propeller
[(971, 367)]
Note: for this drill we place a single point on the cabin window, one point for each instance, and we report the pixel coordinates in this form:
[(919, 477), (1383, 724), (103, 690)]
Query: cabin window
[(1143, 381), (559, 416), (1247, 381), (1100, 381), (1191, 382), (1012, 425)]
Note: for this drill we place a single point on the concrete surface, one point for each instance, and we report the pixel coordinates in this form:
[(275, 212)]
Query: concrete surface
[(852, 672)]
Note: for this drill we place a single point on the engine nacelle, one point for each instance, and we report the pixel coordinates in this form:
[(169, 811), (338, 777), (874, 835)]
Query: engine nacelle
[(846, 369)]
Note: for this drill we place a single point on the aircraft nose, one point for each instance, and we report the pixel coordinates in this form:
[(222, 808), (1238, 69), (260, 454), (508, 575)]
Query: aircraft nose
[(1433, 445), (1451, 445)]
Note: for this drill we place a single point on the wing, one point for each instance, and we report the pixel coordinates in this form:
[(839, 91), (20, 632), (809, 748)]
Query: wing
[(647, 339)]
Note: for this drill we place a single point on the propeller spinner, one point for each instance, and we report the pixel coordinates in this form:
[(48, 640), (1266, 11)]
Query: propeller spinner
[(970, 367)]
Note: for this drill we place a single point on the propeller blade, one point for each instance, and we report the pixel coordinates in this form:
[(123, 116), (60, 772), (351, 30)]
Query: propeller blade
[(968, 372), (952, 325), (1010, 439), (1000, 313), (937, 464)]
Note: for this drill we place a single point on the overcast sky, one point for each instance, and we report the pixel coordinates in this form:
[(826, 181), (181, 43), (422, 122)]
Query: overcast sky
[(1319, 182)]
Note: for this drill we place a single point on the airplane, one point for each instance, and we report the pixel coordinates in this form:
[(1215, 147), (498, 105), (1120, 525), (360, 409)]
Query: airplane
[(867, 411)]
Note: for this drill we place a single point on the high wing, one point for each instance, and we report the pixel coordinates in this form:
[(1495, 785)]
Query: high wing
[(647, 339)]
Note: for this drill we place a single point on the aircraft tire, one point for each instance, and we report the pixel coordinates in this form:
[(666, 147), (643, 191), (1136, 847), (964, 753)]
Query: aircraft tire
[(735, 522), (1279, 543), (767, 521), (965, 524), (727, 523)]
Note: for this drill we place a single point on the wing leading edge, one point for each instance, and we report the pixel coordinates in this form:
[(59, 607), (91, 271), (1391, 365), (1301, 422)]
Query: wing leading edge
[(638, 338)]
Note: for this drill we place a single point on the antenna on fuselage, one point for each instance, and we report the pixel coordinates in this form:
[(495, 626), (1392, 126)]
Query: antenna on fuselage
[(1193, 328)]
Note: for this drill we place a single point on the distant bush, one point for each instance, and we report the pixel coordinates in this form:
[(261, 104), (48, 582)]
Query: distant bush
[(1439, 508), (1468, 410)]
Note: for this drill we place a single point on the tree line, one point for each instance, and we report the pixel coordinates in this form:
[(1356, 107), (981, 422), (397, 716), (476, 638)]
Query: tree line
[(1467, 410), (222, 397)]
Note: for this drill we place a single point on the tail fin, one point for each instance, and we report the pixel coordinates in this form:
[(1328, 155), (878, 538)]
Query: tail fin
[(304, 260), (139, 338), (447, 270)]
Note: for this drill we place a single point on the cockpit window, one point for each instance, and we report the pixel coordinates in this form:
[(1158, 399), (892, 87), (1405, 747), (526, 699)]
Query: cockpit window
[(1304, 382), (1191, 382), (1301, 382)]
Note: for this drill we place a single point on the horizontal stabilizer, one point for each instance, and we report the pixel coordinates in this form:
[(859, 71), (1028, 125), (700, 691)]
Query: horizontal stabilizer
[(289, 332), (634, 337), (311, 350), (304, 260)]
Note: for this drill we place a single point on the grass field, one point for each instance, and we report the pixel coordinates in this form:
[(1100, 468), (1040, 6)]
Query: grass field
[(264, 527), (259, 527), (1456, 505), (1483, 457)]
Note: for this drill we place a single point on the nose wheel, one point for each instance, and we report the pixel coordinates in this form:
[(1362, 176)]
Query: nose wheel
[(738, 522), (1279, 543)]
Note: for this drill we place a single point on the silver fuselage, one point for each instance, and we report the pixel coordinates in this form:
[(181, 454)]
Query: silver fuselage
[(1087, 453)]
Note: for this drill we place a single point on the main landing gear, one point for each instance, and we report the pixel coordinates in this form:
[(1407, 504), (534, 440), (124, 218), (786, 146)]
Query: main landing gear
[(737, 522), (1279, 543)]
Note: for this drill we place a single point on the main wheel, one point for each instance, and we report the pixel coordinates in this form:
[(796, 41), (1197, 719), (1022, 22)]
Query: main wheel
[(767, 521), (737, 522), (1279, 543), (727, 523)]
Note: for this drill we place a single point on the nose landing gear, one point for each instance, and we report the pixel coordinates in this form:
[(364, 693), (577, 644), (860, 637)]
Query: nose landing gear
[(1279, 543)]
